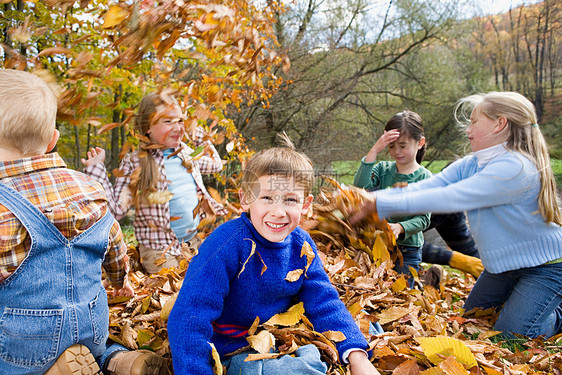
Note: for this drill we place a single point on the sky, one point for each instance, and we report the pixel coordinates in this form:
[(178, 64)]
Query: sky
[(500, 6)]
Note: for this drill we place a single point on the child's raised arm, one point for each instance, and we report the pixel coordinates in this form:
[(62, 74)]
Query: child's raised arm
[(385, 139), (96, 155)]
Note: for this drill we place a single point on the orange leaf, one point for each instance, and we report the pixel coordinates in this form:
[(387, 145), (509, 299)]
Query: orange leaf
[(409, 367), (114, 16)]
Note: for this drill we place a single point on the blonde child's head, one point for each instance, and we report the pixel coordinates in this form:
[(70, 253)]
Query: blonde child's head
[(148, 110), (28, 110), (522, 134), (409, 124), (275, 190), (284, 161)]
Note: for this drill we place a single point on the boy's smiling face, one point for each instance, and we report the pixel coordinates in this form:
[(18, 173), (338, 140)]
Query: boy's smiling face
[(276, 206)]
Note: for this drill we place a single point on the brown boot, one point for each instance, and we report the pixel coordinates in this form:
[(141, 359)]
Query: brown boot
[(76, 360), (138, 362)]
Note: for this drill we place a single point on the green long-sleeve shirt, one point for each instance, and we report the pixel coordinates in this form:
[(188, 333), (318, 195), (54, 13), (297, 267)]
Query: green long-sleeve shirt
[(382, 175)]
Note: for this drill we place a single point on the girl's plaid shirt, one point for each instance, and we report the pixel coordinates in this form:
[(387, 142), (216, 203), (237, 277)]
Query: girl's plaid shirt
[(152, 220)]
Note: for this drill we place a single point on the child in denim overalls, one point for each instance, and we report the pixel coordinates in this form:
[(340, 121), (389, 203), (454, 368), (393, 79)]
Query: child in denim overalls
[(56, 234)]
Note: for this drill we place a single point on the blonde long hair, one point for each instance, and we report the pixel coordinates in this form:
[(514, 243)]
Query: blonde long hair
[(524, 136)]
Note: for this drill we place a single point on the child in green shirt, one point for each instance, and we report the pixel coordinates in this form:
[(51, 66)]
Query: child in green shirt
[(404, 137)]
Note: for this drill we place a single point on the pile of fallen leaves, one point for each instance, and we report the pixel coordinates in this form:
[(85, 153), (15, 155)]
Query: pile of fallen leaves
[(424, 328)]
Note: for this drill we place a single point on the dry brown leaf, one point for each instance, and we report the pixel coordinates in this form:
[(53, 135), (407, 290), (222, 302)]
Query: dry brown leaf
[(294, 275)]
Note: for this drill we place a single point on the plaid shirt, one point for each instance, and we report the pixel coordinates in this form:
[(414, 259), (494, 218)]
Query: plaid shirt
[(70, 200), (152, 220)]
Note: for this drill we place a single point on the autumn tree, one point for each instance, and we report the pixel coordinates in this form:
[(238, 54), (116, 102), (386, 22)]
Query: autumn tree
[(106, 55), (348, 68), (522, 47)]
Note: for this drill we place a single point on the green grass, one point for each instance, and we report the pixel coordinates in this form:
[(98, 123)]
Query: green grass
[(344, 170)]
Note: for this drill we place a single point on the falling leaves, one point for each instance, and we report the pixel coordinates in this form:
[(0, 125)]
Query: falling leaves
[(114, 16)]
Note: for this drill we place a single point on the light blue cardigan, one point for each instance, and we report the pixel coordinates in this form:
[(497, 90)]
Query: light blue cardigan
[(501, 200)]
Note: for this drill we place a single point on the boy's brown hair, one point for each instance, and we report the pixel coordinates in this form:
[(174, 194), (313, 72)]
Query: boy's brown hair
[(28, 110), (283, 161)]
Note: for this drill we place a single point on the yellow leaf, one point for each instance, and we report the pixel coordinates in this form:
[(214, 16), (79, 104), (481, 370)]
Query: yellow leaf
[(399, 285), (114, 16), (118, 299), (262, 342), (380, 252), (254, 326), (294, 275), (143, 335), (355, 309), (491, 371), (259, 357), (414, 273), (160, 196), (165, 312), (217, 364), (452, 367), (249, 256), (307, 251), (288, 318), (393, 313), (436, 349), (145, 304), (335, 336), (432, 371), (524, 368)]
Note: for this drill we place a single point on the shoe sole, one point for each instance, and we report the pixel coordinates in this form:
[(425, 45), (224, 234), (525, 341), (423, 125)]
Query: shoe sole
[(139, 362), (150, 365), (76, 360)]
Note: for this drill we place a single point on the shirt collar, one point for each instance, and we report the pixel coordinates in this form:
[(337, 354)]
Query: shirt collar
[(16, 167), (487, 154)]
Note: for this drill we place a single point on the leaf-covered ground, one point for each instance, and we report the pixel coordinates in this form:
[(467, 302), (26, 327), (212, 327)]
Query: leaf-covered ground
[(424, 328)]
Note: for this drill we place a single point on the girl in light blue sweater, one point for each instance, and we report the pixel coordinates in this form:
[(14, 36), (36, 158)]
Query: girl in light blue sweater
[(508, 190)]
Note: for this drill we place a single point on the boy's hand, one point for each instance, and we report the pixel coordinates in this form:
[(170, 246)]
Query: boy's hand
[(125, 290), (96, 155), (359, 364)]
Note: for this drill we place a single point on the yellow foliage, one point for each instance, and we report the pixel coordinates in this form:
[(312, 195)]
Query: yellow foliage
[(114, 16), (288, 318), (438, 348)]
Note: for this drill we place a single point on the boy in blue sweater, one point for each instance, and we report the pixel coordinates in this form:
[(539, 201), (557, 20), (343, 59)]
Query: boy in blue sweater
[(508, 190), (241, 273)]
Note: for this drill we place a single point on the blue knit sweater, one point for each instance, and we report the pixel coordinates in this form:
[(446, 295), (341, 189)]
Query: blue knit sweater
[(224, 290), (501, 200)]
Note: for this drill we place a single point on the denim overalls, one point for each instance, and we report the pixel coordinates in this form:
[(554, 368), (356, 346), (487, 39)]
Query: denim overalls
[(54, 299)]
